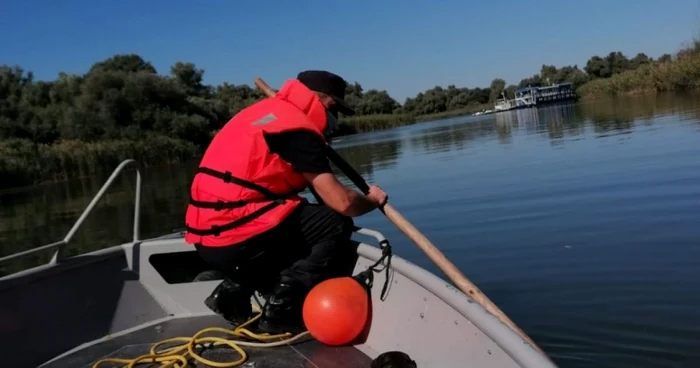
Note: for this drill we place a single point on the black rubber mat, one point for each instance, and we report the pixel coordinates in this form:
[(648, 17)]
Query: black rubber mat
[(305, 353)]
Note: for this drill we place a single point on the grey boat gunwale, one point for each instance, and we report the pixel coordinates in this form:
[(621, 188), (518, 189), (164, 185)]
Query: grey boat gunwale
[(493, 343)]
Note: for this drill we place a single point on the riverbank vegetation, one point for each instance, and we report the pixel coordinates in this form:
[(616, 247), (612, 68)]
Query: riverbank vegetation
[(680, 72), (80, 125)]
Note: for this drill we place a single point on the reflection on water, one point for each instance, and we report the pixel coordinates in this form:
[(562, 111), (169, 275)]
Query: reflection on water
[(579, 220), (372, 156), (451, 137)]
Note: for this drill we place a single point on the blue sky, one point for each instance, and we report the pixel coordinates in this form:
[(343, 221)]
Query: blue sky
[(402, 46)]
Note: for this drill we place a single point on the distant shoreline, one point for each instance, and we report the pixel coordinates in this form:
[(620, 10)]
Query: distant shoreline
[(681, 73), (25, 163), (79, 126)]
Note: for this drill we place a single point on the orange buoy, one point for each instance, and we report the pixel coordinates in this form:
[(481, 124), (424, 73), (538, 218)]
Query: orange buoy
[(336, 310)]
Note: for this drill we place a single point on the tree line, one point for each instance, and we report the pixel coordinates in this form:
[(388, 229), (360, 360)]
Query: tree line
[(57, 129), (124, 97)]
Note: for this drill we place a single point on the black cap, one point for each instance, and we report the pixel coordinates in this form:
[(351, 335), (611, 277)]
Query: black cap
[(330, 84)]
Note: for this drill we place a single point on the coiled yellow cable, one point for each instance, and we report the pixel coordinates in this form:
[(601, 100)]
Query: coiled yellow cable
[(170, 357)]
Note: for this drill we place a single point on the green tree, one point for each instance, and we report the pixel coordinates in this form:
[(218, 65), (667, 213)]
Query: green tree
[(510, 91), (664, 58), (534, 81), (597, 67), (189, 78), (639, 60), (376, 102), (498, 85)]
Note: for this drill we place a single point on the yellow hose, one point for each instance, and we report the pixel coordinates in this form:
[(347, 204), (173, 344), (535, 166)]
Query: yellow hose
[(170, 357)]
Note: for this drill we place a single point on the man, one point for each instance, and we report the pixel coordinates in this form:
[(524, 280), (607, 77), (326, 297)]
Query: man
[(246, 219)]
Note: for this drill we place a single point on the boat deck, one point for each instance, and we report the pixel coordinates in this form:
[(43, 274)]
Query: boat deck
[(306, 352), (122, 300)]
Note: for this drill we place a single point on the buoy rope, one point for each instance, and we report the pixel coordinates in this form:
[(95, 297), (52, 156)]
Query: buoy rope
[(177, 356)]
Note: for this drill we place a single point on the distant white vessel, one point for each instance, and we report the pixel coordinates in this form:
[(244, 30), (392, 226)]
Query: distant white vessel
[(533, 96), (504, 104)]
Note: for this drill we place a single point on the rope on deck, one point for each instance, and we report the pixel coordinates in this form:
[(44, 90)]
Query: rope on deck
[(177, 356)]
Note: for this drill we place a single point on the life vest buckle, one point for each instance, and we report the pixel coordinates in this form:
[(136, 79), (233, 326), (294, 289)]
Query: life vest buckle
[(227, 177), (219, 205), (215, 230)]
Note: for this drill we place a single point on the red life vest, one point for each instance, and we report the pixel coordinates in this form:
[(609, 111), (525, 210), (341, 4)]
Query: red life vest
[(241, 189)]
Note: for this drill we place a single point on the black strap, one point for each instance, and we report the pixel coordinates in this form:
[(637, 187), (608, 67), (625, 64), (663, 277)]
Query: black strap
[(366, 277), (218, 205), (216, 230), (226, 177)]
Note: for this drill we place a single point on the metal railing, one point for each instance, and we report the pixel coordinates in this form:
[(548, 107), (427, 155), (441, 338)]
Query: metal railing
[(79, 222)]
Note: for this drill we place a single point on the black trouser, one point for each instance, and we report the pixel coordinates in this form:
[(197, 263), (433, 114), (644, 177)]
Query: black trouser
[(311, 245)]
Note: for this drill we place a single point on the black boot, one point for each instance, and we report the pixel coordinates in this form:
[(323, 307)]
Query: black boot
[(232, 301), (283, 310)]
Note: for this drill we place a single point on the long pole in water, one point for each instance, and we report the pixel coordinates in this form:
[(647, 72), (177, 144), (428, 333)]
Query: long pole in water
[(417, 237)]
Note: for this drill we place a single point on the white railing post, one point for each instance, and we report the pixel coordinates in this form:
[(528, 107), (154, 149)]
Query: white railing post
[(79, 222)]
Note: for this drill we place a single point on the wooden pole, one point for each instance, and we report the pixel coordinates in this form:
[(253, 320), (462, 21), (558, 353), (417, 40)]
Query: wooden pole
[(421, 241)]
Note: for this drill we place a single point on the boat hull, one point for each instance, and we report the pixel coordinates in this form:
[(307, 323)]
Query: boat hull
[(66, 308)]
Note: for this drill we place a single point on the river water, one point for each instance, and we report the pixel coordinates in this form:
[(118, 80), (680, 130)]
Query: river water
[(582, 222)]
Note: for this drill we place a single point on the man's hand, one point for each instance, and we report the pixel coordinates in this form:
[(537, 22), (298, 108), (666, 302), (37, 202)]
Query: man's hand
[(377, 195)]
